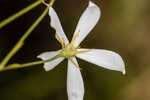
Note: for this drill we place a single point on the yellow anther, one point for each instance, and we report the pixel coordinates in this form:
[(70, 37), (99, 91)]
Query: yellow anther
[(75, 64), (60, 40), (46, 4), (74, 38), (78, 47), (83, 51)]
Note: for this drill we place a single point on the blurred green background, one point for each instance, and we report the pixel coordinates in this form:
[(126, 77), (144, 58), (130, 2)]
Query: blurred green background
[(124, 28)]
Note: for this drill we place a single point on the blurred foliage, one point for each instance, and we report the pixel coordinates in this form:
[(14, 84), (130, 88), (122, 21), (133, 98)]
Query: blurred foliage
[(123, 28)]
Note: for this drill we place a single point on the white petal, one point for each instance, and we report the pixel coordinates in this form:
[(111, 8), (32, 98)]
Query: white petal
[(87, 22), (104, 58), (47, 55), (55, 23), (75, 87)]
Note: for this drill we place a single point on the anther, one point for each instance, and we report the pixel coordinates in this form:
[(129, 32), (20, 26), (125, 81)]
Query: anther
[(83, 51), (75, 64), (75, 37), (60, 40), (78, 47)]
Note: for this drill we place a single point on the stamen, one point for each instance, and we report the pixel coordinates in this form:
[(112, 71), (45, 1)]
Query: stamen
[(75, 64), (78, 47), (46, 4), (60, 40), (83, 51), (74, 38)]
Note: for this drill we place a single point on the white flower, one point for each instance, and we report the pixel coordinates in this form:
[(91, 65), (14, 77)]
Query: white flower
[(103, 58)]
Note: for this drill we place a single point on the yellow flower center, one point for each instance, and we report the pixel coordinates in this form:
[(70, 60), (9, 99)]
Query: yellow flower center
[(68, 51)]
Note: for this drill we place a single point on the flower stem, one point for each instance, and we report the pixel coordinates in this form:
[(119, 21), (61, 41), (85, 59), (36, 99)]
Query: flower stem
[(18, 14), (17, 66), (19, 44)]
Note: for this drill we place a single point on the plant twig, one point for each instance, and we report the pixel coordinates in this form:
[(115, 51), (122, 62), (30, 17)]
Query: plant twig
[(17, 66), (20, 13), (19, 44)]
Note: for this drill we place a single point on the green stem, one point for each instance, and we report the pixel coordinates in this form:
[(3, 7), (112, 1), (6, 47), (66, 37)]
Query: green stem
[(18, 14), (17, 66), (19, 44), (10, 54)]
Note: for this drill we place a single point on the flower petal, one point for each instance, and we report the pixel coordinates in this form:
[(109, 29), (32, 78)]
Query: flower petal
[(55, 23), (75, 87), (47, 55), (87, 22), (104, 58)]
